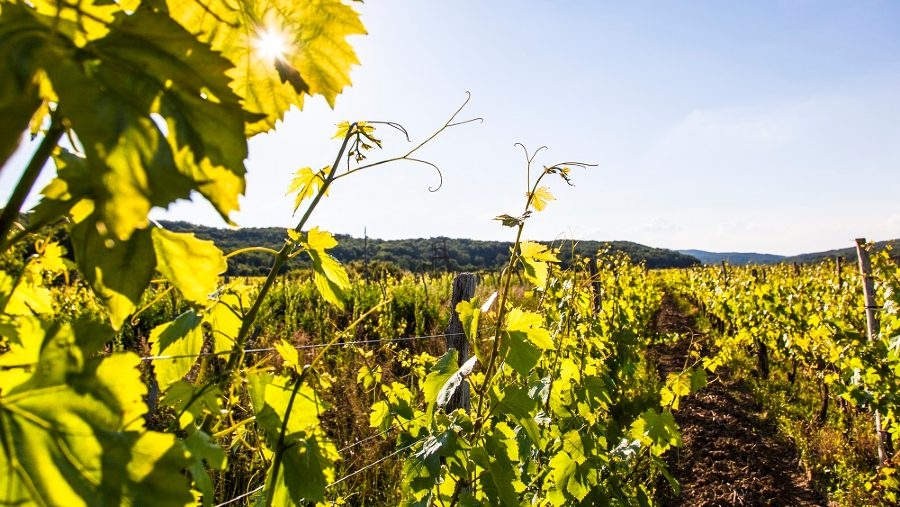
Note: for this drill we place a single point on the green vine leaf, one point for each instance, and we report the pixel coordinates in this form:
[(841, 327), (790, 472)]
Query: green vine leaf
[(192, 403), (155, 116), (191, 264), (72, 434), (308, 453), (657, 429), (23, 336), (226, 315), (535, 258), (282, 49), (523, 339), (329, 275), (118, 271), (20, 39), (437, 380), (181, 338)]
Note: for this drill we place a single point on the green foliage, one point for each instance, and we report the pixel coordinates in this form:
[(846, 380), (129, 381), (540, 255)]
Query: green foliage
[(157, 100), (809, 324), (72, 432)]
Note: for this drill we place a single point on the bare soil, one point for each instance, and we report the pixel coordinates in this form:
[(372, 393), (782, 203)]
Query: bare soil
[(731, 454)]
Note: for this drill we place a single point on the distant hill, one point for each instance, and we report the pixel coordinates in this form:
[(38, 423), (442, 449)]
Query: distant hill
[(420, 254), (847, 253), (733, 258), (744, 258)]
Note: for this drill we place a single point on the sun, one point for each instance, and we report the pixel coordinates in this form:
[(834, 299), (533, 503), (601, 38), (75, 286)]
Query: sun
[(270, 44)]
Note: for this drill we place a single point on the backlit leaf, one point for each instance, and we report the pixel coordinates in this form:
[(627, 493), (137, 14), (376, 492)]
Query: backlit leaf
[(523, 339), (540, 197), (73, 434), (330, 277), (118, 271), (534, 257), (306, 184), (440, 373), (191, 264), (182, 339), (282, 49)]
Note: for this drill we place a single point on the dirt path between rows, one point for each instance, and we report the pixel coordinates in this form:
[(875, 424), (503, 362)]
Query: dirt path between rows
[(731, 456)]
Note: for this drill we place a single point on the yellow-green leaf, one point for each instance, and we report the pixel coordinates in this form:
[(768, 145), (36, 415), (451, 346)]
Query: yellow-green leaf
[(540, 197), (288, 354), (73, 434), (118, 271), (534, 257), (306, 184), (191, 264), (179, 342), (282, 49), (330, 277)]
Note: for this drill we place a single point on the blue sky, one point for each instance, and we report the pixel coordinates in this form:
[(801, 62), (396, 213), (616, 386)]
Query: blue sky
[(751, 126)]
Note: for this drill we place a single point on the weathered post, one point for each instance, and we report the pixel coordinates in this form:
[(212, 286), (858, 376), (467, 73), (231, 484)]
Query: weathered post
[(865, 270), (463, 290)]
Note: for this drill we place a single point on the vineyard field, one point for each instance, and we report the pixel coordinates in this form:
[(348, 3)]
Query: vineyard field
[(147, 363)]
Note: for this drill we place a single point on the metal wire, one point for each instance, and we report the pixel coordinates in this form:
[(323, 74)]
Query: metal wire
[(241, 497), (370, 465), (299, 347), (371, 437)]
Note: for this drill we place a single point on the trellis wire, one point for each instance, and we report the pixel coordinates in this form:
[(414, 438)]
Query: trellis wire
[(297, 347)]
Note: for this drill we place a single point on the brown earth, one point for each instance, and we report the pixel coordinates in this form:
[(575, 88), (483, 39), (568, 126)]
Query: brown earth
[(730, 454)]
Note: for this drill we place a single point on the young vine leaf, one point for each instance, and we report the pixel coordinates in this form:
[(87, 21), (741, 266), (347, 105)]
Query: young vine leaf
[(535, 258), (306, 184), (182, 338), (539, 198), (192, 265), (330, 276)]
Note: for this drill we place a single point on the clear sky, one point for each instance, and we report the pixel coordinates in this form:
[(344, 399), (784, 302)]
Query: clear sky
[(769, 126)]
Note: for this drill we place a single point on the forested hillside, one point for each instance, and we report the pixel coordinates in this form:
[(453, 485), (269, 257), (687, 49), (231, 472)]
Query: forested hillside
[(417, 255)]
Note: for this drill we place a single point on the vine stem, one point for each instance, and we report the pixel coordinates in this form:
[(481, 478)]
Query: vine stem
[(279, 450), (501, 312), (26, 182), (280, 258)]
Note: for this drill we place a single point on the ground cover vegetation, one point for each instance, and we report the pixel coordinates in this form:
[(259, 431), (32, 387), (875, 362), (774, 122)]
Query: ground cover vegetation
[(798, 335)]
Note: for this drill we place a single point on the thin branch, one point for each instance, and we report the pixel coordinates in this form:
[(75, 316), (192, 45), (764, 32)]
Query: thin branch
[(28, 179), (251, 249), (408, 156)]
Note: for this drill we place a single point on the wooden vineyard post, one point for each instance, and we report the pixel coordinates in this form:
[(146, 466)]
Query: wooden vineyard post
[(865, 270), (595, 283), (463, 290)]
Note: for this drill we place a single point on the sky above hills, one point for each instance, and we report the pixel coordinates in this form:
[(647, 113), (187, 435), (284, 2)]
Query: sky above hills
[(768, 126)]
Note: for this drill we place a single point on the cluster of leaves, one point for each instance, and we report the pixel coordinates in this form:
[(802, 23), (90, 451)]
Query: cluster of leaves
[(561, 411), (156, 101), (811, 324)]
